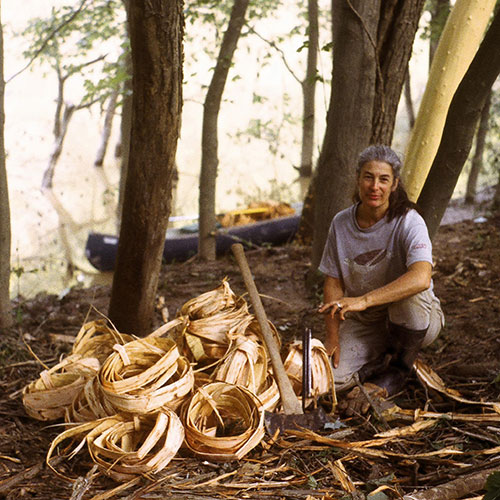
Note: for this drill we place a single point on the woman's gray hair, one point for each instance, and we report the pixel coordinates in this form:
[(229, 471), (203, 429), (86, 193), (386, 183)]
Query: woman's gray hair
[(380, 153)]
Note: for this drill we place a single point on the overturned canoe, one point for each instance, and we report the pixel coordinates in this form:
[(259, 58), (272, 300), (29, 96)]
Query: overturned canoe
[(101, 249)]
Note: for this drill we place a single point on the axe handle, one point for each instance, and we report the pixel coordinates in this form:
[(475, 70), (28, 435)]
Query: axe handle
[(289, 400)]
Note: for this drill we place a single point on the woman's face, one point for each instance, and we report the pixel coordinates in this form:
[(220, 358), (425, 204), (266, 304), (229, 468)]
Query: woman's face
[(376, 182)]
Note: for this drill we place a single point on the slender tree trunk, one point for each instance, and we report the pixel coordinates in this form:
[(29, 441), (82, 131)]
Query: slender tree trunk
[(209, 140), (463, 115), (309, 97), (410, 110), (496, 197), (156, 32), (458, 45), (477, 160), (6, 319), (350, 113), (125, 126), (106, 131), (62, 129)]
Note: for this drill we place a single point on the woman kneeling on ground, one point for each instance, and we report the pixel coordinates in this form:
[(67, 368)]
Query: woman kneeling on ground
[(378, 292)]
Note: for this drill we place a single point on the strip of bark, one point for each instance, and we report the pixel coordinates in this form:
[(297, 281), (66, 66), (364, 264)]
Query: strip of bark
[(454, 489)]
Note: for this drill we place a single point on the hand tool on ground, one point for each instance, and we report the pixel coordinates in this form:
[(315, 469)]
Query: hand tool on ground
[(293, 416), (306, 367)]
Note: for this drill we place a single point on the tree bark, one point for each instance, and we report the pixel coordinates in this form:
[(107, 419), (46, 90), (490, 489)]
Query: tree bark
[(409, 101), (106, 130), (6, 319), (209, 141), (458, 133), (495, 205), (396, 32), (477, 160), (156, 31), (125, 128), (309, 96)]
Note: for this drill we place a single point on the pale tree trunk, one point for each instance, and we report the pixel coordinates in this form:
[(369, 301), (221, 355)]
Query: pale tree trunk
[(62, 116), (372, 47), (463, 115), (350, 114), (156, 32), (309, 97), (6, 319), (477, 160), (209, 139), (60, 130), (458, 44), (107, 127)]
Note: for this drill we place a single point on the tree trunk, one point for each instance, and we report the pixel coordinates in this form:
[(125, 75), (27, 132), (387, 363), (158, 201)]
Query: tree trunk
[(309, 96), (440, 10), (125, 127), (62, 128), (461, 36), (458, 133), (350, 114), (106, 131), (396, 32), (477, 160), (6, 319), (496, 197), (410, 110), (209, 140), (156, 31)]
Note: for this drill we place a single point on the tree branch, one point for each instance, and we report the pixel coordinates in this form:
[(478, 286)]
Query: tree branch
[(275, 47), (47, 40)]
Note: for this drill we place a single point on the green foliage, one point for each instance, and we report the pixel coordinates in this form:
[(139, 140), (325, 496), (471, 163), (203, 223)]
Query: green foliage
[(75, 38)]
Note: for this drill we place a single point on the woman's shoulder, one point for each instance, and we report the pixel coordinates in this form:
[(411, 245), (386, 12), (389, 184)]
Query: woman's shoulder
[(413, 217)]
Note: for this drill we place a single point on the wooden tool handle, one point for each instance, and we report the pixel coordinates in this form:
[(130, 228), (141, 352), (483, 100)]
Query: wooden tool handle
[(289, 400)]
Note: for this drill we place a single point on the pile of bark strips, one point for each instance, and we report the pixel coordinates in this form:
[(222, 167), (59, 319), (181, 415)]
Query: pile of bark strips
[(439, 439)]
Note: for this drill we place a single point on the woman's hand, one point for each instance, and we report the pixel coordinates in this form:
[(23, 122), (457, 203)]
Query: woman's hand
[(332, 346), (343, 306)]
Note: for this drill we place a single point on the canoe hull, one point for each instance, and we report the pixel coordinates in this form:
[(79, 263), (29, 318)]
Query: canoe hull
[(101, 249)]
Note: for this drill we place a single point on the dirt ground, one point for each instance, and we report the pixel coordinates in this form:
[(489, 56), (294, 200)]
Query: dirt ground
[(466, 356)]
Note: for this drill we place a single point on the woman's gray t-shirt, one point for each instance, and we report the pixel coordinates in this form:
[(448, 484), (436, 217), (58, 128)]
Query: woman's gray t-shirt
[(365, 259)]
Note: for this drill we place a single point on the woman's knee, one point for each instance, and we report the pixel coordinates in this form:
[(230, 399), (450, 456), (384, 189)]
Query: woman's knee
[(413, 312), (421, 311)]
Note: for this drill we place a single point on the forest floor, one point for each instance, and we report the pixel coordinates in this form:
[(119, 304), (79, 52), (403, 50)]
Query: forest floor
[(466, 356)]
